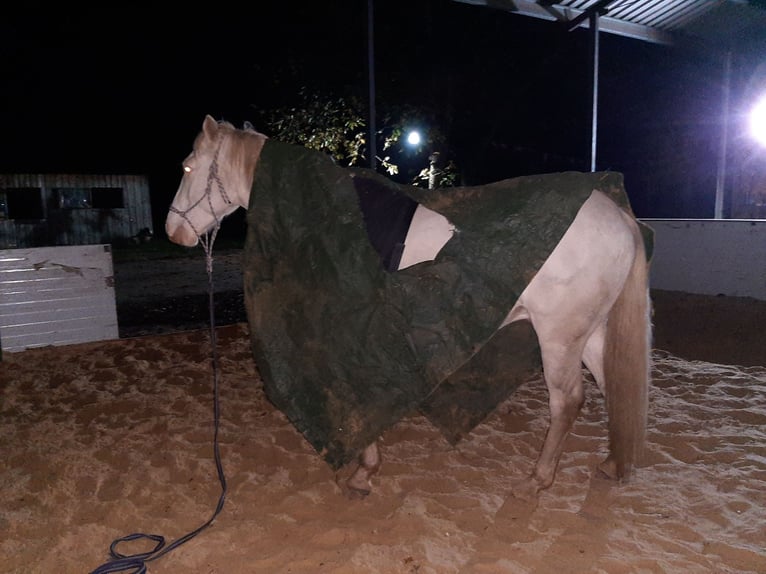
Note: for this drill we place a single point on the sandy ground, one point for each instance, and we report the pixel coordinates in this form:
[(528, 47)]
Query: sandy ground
[(101, 440)]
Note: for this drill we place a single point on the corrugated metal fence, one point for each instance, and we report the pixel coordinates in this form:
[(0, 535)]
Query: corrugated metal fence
[(56, 296)]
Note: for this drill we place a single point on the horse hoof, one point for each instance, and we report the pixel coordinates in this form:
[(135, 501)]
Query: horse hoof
[(353, 493), (356, 488), (608, 469), (526, 490)]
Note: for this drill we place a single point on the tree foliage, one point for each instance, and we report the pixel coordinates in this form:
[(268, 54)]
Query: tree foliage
[(327, 124), (336, 125)]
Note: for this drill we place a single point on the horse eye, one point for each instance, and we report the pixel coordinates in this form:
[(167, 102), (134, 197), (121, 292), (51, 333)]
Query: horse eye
[(187, 169)]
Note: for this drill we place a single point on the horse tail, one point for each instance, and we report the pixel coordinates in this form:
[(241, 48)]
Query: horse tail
[(627, 364)]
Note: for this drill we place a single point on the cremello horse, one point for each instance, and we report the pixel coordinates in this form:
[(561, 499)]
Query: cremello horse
[(588, 303)]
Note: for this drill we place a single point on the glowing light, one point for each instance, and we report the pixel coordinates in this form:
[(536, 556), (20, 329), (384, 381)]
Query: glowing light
[(413, 138), (187, 169), (758, 121)]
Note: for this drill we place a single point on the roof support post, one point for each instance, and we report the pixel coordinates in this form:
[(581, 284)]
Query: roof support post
[(371, 150), (720, 180), (594, 35)]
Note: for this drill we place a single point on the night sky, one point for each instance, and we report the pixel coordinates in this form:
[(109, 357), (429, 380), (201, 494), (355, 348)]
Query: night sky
[(125, 91)]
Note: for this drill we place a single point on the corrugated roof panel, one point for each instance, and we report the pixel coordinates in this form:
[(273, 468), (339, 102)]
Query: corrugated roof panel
[(652, 20), (662, 14), (672, 15), (655, 14), (634, 11)]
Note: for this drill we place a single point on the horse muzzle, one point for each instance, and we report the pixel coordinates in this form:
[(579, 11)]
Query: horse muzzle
[(179, 231)]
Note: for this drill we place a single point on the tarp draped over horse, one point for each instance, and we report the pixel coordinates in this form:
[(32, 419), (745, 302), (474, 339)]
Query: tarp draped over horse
[(345, 348)]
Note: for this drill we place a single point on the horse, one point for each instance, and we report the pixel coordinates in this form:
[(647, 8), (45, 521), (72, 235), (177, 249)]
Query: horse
[(588, 303)]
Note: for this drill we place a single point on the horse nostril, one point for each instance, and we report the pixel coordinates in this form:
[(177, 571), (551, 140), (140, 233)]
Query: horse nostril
[(188, 238), (178, 233), (181, 235), (171, 232)]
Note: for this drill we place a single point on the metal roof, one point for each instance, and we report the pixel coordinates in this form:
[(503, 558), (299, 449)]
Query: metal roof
[(728, 22)]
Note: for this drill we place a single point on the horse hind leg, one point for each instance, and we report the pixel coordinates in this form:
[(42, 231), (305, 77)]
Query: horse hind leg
[(563, 377), (593, 357), (358, 484)]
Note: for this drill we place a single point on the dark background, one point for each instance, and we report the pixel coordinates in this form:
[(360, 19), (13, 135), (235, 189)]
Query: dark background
[(125, 90)]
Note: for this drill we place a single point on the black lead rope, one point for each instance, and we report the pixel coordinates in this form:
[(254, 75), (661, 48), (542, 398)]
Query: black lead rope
[(136, 563)]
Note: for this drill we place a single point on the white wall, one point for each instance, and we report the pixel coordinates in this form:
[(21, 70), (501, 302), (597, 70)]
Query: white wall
[(710, 256), (56, 296)]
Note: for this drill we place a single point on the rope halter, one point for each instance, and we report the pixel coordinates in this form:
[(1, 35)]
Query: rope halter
[(207, 239)]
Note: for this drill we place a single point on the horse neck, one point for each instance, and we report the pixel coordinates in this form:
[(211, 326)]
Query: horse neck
[(240, 164)]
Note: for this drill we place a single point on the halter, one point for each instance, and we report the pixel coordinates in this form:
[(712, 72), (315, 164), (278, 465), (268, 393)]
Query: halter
[(212, 176)]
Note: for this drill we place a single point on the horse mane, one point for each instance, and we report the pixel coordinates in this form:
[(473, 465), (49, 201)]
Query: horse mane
[(244, 148), (237, 136)]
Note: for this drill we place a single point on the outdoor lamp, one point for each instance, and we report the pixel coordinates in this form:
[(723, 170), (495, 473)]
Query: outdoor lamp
[(413, 138)]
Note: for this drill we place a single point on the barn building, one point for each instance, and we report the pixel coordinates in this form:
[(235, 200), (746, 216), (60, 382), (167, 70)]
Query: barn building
[(58, 209)]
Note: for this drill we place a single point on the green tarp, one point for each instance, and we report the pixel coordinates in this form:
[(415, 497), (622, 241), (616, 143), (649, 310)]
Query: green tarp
[(346, 349)]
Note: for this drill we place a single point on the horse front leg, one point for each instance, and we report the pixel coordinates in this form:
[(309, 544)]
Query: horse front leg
[(359, 484), (563, 377)]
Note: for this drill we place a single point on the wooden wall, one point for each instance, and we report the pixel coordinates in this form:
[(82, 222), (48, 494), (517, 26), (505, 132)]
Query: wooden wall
[(82, 226)]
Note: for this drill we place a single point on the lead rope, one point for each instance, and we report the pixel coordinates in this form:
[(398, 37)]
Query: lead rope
[(136, 563)]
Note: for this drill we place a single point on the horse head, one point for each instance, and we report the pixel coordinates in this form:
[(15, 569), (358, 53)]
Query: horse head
[(218, 175)]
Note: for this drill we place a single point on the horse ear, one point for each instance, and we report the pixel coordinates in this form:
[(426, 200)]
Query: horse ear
[(248, 126), (210, 127)]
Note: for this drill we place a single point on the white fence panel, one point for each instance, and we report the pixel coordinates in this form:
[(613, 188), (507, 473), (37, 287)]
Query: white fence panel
[(710, 256), (56, 296)]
